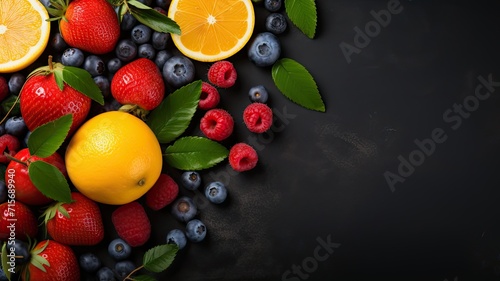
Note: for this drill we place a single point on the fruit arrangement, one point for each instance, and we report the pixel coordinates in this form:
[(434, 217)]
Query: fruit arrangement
[(111, 112)]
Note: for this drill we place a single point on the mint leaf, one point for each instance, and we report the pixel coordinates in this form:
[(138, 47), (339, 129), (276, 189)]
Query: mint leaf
[(159, 258), (50, 181), (80, 80), (172, 117), (303, 14), (5, 259), (143, 278), (194, 153), (152, 18), (297, 84), (46, 139)]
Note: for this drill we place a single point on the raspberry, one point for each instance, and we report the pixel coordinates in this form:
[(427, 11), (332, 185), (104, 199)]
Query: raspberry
[(163, 192), (9, 144), (132, 223), (217, 124), (222, 74), (258, 117), (242, 157), (4, 88), (209, 97)]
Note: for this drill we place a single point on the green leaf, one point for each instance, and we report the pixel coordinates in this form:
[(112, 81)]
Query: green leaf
[(80, 80), (144, 278), (159, 258), (297, 84), (303, 14), (5, 259), (172, 117), (194, 153), (58, 75), (154, 19), (46, 139), (50, 181)]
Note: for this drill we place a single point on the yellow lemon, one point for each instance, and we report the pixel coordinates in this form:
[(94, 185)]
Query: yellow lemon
[(114, 158), (24, 33), (212, 30)]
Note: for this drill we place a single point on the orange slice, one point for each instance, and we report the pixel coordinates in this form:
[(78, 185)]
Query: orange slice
[(24, 33), (212, 30)]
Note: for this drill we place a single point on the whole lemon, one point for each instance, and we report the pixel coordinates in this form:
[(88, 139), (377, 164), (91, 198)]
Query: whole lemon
[(114, 158)]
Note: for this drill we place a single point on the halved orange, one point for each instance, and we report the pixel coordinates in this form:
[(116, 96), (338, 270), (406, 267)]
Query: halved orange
[(212, 30), (24, 33)]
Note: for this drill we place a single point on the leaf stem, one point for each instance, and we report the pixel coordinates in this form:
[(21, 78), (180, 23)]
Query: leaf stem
[(129, 276), (10, 157)]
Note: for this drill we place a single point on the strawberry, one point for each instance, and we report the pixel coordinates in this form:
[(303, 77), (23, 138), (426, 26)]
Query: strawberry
[(139, 83), (132, 223), (17, 173), (52, 261), (89, 25), (17, 221), (77, 223)]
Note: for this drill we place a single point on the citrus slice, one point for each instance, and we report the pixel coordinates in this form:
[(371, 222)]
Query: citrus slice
[(24, 33), (212, 30)]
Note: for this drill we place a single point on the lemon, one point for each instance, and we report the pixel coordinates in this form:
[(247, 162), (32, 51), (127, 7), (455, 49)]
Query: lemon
[(114, 158), (212, 30), (24, 33)]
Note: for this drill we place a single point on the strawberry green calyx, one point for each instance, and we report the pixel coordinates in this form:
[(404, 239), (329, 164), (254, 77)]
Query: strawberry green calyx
[(135, 110), (58, 9)]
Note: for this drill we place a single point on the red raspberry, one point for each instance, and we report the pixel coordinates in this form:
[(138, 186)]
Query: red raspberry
[(258, 117), (4, 88), (242, 157), (217, 124), (163, 192), (222, 74), (209, 97), (9, 144), (132, 223)]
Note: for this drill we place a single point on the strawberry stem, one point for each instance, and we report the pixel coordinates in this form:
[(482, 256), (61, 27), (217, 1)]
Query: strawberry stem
[(51, 67)]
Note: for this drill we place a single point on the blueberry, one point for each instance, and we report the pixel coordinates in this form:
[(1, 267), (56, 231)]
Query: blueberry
[(159, 40), (146, 51), (162, 3), (16, 82), (3, 277), (58, 43), (272, 5), (191, 180), (161, 57), (258, 94), (123, 269), (126, 50), (140, 34), (16, 126), (105, 274), (72, 57), (103, 84), (89, 262), (94, 65), (178, 71), (21, 250), (114, 64), (25, 139), (177, 236), (216, 192), (128, 22), (2, 129), (276, 23), (265, 49), (112, 105), (3, 191), (196, 230), (184, 209), (46, 3), (119, 249), (146, 2)]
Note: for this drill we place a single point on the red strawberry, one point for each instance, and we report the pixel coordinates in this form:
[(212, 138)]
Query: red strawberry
[(139, 83), (163, 192), (52, 261), (77, 223), (16, 220), (132, 223), (90, 25), (17, 172)]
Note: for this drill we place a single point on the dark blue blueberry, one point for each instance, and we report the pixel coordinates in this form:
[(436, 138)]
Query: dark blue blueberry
[(178, 71), (258, 94), (89, 262), (16, 126), (177, 236), (265, 49), (16, 82), (105, 274), (184, 209), (94, 65), (196, 230), (126, 50), (72, 57), (162, 3), (162, 57), (146, 2), (123, 269), (146, 51), (58, 43), (216, 192), (103, 84), (119, 249), (2, 129), (140, 34), (159, 40), (114, 64), (128, 22), (25, 139), (272, 5), (3, 191), (191, 180), (112, 105), (21, 250), (276, 23), (3, 277)]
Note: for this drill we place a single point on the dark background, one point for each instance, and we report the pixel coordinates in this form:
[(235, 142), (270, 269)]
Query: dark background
[(321, 175)]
